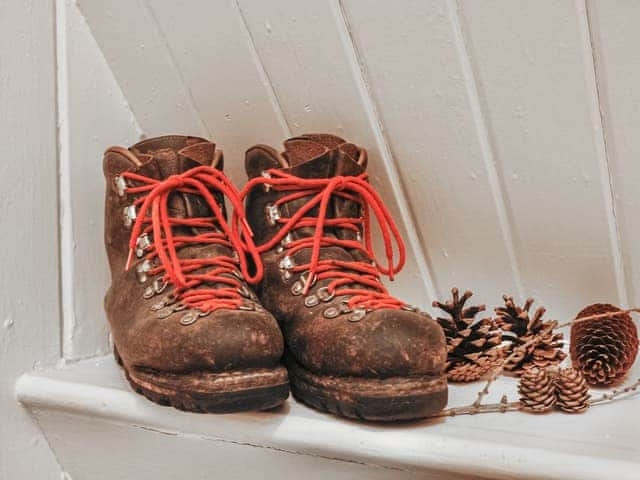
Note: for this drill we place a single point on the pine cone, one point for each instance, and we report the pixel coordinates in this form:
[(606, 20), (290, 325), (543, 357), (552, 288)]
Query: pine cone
[(603, 349), (519, 329), (471, 345), (537, 390), (470, 372), (572, 391)]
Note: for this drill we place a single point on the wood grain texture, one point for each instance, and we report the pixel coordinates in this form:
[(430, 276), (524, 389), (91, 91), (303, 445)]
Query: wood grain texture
[(418, 79), (93, 115), (145, 69), (614, 35), (538, 97), (216, 58), (29, 287), (308, 55), (189, 71)]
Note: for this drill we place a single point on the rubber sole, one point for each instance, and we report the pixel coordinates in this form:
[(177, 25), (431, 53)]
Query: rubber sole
[(207, 392), (380, 400)]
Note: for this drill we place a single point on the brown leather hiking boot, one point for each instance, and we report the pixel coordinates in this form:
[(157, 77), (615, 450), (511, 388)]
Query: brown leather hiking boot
[(351, 348), (186, 327)]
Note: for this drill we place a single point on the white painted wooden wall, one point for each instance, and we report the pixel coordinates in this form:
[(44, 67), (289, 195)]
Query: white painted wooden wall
[(502, 134)]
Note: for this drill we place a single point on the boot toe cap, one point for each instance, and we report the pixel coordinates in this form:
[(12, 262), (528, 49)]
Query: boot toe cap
[(224, 340), (384, 343)]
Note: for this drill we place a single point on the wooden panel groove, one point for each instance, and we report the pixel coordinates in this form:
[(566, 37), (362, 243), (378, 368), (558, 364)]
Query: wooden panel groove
[(486, 146), (539, 103), (92, 114), (264, 75), (316, 75), (176, 67), (417, 80), (613, 38), (397, 188), (591, 74)]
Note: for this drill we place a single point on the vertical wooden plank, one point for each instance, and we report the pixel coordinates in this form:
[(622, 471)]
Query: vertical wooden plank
[(415, 66), (93, 114), (614, 34), (143, 66), (529, 60), (29, 286), (215, 57), (308, 54)]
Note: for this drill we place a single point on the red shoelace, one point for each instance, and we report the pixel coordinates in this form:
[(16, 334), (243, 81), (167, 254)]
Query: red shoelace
[(347, 277), (152, 218)]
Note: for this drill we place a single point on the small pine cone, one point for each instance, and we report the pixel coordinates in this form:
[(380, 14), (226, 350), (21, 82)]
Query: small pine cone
[(537, 390), (603, 349), (572, 391)]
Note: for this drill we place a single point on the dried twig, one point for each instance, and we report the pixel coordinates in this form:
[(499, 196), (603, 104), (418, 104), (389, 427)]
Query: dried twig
[(616, 394), (502, 407)]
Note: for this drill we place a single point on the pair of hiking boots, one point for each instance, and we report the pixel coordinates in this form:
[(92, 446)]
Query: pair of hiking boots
[(205, 307)]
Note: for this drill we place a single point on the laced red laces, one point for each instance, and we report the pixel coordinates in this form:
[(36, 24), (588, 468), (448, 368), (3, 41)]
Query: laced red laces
[(153, 218), (345, 275)]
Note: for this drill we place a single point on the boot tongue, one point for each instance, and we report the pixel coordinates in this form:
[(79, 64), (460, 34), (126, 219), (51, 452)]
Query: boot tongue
[(310, 159), (161, 163)]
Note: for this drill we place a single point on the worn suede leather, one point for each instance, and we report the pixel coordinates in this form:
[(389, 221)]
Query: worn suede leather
[(224, 340), (386, 342)]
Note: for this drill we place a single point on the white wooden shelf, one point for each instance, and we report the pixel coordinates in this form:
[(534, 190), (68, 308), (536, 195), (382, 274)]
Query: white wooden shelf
[(98, 428)]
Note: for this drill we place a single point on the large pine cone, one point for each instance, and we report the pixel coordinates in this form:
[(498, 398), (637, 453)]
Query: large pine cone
[(572, 391), (472, 345), (537, 390), (520, 327), (603, 349)]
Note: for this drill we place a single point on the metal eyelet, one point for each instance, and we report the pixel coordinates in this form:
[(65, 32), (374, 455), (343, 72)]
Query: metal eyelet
[(279, 249), (331, 312), (165, 302), (129, 214), (121, 185), (164, 312), (246, 306), (311, 301), (204, 314), (148, 292), (273, 214), (287, 263), (178, 307), (142, 242), (304, 278), (266, 186), (409, 308), (142, 269), (357, 315), (358, 236), (344, 307), (189, 318), (325, 295), (159, 285), (237, 274), (297, 288), (244, 291), (286, 240)]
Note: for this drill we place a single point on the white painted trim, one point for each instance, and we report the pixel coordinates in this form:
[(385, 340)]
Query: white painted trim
[(360, 80), (554, 446), (600, 142), (64, 185)]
